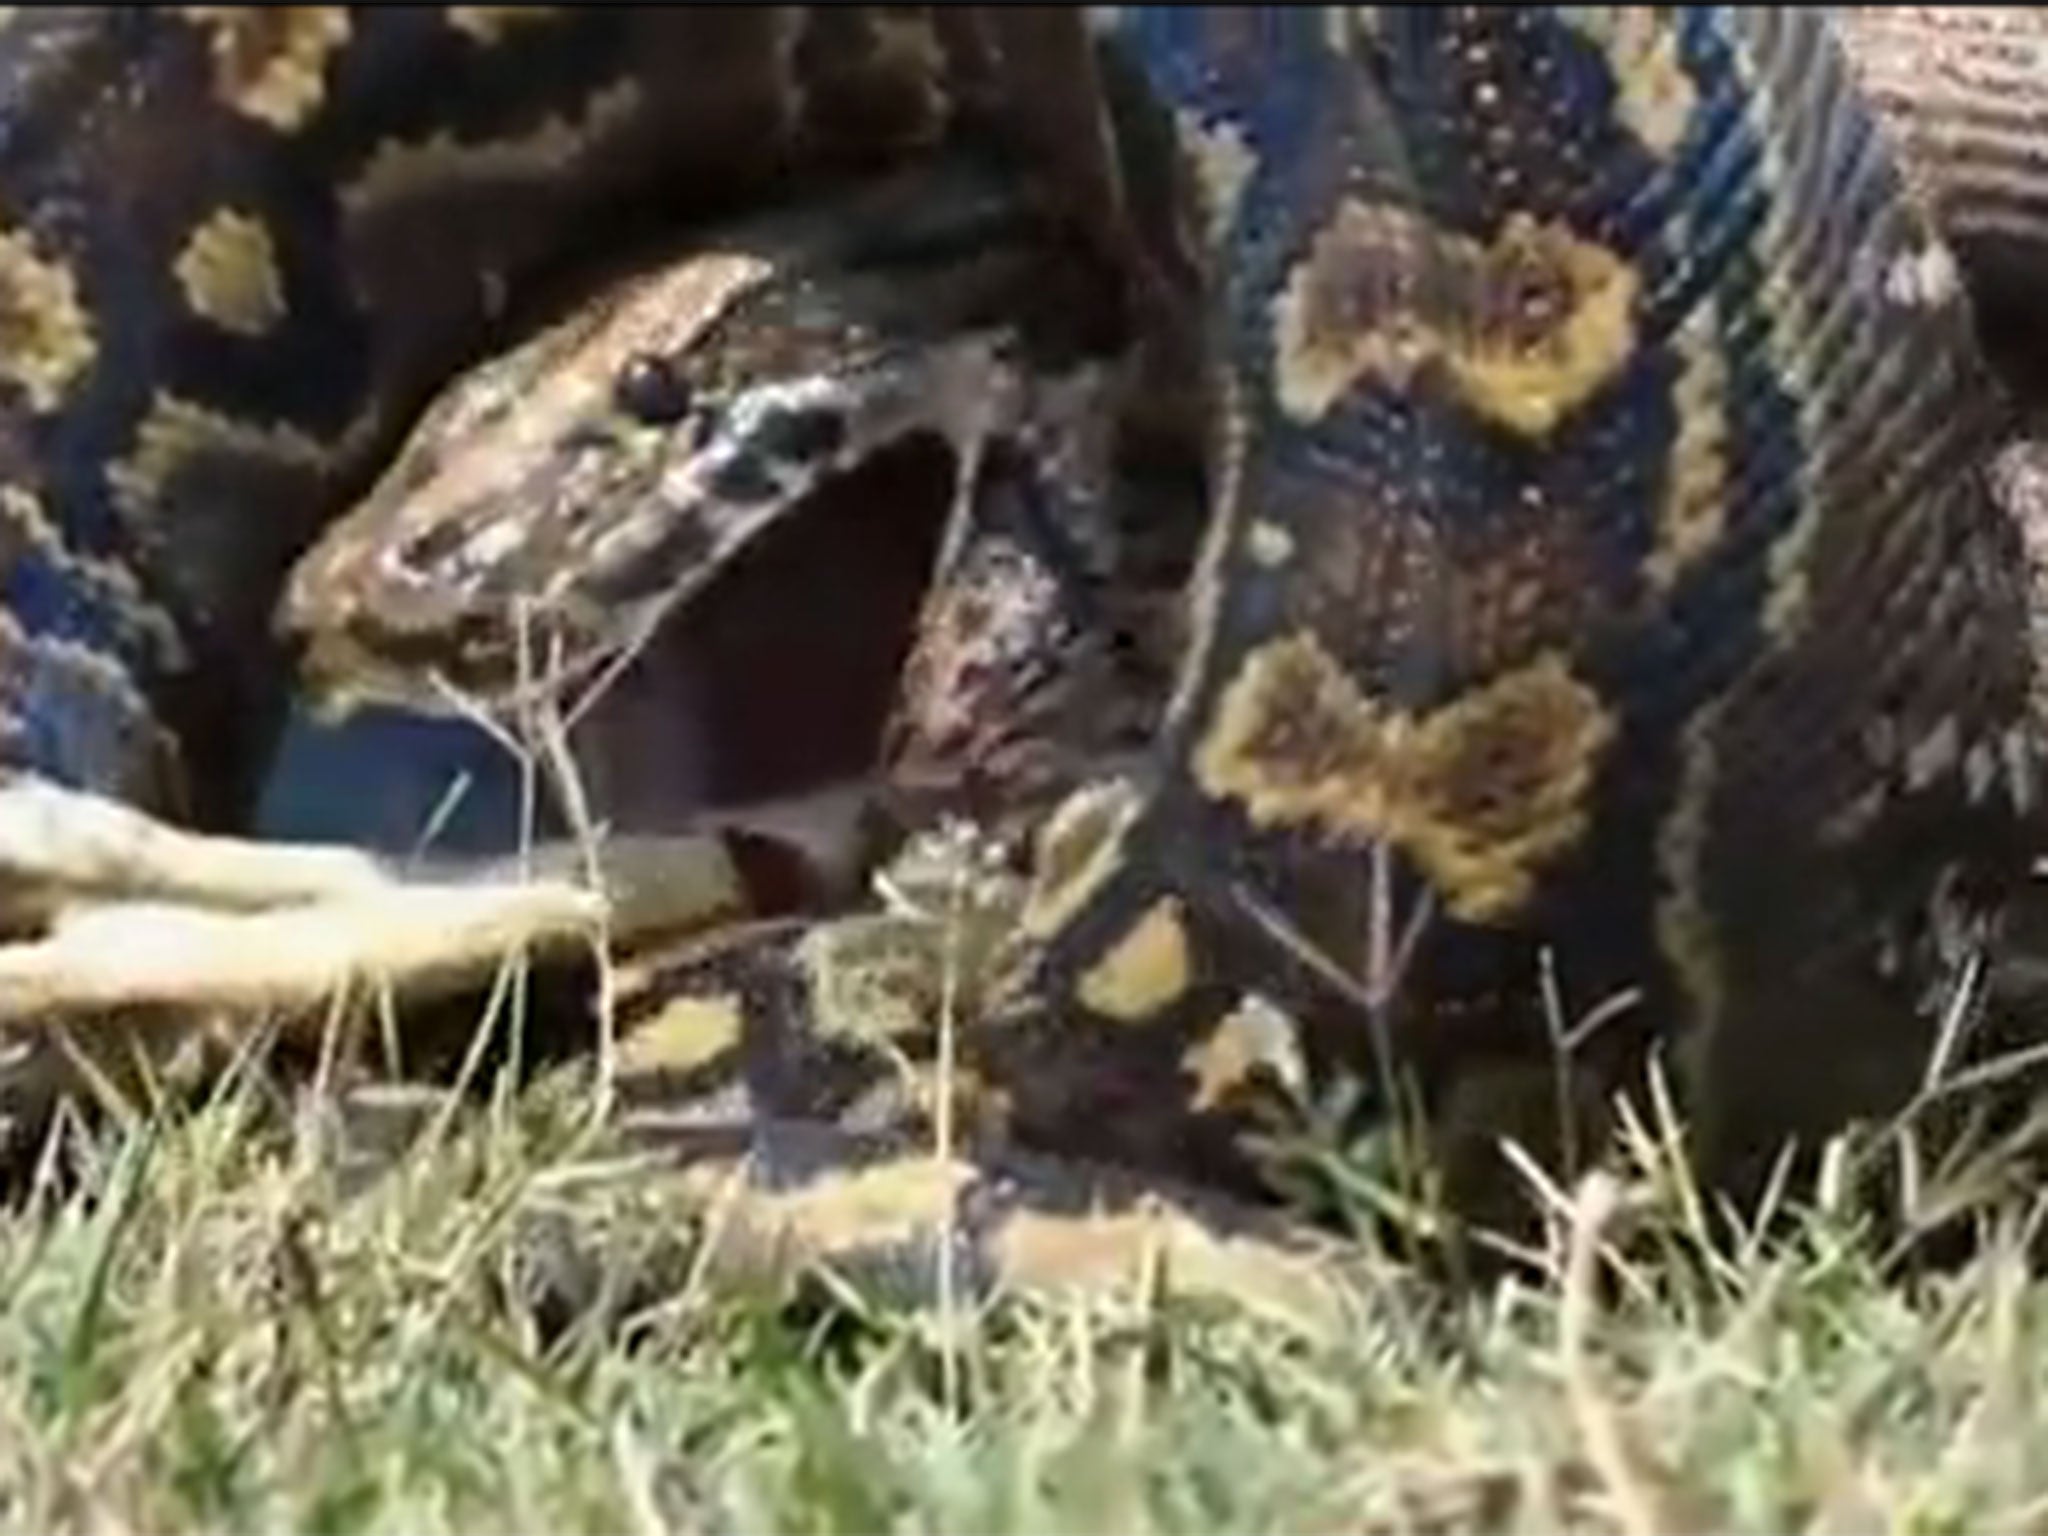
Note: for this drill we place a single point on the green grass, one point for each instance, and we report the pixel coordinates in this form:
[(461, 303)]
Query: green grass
[(210, 1332)]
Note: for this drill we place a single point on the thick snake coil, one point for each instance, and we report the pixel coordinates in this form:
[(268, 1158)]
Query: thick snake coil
[(1600, 526), (1601, 570), (1600, 529), (1599, 556)]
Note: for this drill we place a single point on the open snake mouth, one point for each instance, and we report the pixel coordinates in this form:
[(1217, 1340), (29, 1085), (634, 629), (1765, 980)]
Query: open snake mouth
[(759, 704)]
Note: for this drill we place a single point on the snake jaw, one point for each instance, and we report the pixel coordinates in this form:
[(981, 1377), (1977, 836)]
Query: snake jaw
[(752, 416), (592, 548)]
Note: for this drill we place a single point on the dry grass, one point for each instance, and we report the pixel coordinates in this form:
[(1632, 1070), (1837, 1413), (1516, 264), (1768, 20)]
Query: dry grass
[(217, 1331)]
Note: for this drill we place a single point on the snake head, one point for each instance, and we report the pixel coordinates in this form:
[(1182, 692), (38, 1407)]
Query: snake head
[(555, 504)]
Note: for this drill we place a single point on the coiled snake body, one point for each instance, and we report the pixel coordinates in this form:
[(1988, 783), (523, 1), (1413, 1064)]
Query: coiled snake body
[(1598, 558)]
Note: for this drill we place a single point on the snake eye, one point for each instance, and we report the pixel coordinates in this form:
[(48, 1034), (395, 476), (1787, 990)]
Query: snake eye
[(648, 388)]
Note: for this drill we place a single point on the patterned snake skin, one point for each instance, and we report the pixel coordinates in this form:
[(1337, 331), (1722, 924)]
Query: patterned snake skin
[(1583, 535), (241, 247), (1600, 562), (1965, 91), (1599, 557)]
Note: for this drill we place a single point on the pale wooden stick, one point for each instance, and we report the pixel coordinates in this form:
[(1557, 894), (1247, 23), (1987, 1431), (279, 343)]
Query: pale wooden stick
[(419, 940), (60, 846)]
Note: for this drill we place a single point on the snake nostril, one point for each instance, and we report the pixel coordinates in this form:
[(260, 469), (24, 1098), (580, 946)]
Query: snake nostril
[(434, 545)]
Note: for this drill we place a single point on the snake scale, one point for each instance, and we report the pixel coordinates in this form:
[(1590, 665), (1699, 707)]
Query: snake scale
[(1596, 549)]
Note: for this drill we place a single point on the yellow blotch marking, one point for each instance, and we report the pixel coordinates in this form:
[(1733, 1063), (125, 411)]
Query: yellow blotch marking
[(404, 170), (1694, 509), (1353, 307), (893, 1202), (1498, 784), (771, 1233), (1295, 741), (176, 432), (490, 23), (1553, 318), (1654, 95), (1481, 792), (46, 336), (1144, 971), (1251, 1036), (687, 1033), (1527, 327), (1077, 850), (228, 270), (1299, 1285), (873, 977), (270, 62)]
